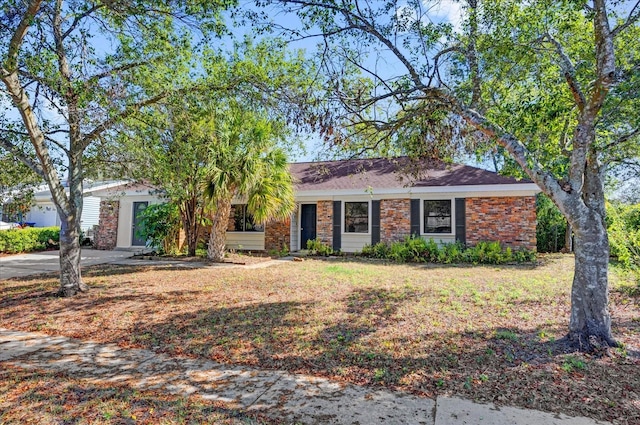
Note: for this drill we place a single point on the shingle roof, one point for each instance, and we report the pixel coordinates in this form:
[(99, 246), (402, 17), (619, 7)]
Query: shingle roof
[(384, 173)]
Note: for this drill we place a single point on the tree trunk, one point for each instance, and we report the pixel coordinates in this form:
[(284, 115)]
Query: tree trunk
[(70, 253), (568, 238), (192, 242), (590, 323), (218, 235), (191, 212)]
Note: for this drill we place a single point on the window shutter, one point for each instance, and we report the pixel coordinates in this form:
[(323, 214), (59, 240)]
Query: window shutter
[(415, 217), (337, 230), (375, 222), (461, 225)]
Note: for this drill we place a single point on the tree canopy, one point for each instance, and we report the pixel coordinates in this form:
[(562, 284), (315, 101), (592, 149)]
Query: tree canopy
[(73, 71), (552, 86)]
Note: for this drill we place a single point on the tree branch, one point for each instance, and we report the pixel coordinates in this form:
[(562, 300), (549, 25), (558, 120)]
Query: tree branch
[(116, 69), (34, 166), (634, 15), (79, 18), (569, 72), (622, 139), (130, 110), (11, 62)]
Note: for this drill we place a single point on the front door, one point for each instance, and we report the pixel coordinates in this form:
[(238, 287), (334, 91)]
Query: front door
[(137, 240), (307, 224)]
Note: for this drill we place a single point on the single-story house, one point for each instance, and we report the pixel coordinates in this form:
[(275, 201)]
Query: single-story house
[(43, 212), (348, 204)]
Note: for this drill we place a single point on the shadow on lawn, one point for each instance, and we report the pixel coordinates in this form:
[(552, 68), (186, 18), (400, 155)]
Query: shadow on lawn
[(482, 365), (363, 337), (278, 335), (33, 395)]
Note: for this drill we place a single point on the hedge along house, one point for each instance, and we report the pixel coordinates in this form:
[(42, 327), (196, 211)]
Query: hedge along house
[(351, 203)]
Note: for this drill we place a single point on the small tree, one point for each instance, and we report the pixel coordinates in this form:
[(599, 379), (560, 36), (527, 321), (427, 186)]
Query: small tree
[(174, 143), (71, 72), (160, 226), (245, 162)]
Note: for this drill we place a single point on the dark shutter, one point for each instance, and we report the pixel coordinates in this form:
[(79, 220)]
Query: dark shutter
[(415, 217), (375, 222), (337, 233), (461, 225)]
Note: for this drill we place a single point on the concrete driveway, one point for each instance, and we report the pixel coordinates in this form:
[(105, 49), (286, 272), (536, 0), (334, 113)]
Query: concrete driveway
[(49, 261)]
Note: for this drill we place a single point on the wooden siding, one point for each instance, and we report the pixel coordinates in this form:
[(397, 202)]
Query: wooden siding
[(354, 242), (245, 241)]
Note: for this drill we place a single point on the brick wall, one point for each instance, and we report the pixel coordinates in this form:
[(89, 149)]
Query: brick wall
[(324, 228), (277, 234), (106, 236), (395, 219), (510, 220)]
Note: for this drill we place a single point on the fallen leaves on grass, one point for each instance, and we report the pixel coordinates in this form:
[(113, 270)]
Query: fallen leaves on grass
[(40, 397), (487, 333)]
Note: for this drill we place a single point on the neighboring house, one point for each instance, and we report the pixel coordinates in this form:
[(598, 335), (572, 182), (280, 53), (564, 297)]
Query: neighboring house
[(44, 213), (348, 204)]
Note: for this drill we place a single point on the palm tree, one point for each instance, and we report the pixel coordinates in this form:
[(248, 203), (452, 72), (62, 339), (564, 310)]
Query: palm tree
[(245, 162)]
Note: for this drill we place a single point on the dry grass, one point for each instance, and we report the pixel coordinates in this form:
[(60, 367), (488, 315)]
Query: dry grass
[(43, 398), (489, 333)]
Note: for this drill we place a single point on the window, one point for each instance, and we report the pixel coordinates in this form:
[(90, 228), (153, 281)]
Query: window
[(356, 217), (243, 220), (437, 216)]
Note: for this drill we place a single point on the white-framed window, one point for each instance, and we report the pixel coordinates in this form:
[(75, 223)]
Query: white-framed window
[(243, 220), (437, 216), (356, 217)]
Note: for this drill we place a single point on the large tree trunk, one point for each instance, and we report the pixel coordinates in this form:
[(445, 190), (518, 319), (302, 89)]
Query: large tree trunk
[(218, 235), (568, 238), (590, 324), (70, 253)]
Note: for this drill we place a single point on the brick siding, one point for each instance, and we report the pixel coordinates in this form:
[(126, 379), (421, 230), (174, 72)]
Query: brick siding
[(324, 228), (510, 220), (277, 234), (106, 236), (395, 219)]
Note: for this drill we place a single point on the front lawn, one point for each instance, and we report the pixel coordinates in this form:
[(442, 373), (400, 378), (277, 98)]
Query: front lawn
[(488, 332), (37, 397)]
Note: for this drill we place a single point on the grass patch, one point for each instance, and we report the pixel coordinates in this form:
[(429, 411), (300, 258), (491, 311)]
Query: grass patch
[(32, 396), (489, 333)]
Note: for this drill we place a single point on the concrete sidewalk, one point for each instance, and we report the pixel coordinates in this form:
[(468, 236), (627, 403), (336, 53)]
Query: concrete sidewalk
[(283, 396), (49, 261)]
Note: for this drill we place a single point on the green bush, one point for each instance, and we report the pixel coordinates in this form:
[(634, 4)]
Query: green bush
[(160, 225), (417, 250), (551, 228), (379, 250), (623, 227), (316, 247), (28, 239)]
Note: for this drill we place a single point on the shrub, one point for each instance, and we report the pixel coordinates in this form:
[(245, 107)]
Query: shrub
[(160, 225), (316, 247), (623, 227), (413, 249), (379, 250), (29, 239), (551, 228)]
